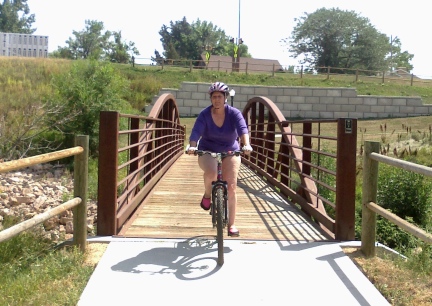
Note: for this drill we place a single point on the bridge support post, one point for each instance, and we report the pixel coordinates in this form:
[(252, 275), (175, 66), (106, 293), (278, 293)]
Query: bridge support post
[(345, 179), (107, 174)]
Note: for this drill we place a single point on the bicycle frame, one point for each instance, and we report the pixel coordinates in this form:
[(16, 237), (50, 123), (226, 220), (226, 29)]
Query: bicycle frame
[(219, 211)]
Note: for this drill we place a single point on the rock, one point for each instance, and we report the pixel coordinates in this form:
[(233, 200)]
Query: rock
[(34, 190)]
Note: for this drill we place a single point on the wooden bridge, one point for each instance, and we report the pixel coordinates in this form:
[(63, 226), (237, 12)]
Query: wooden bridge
[(297, 185), (173, 211)]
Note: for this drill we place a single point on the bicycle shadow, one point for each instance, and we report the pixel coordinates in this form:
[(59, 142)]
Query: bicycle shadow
[(184, 260)]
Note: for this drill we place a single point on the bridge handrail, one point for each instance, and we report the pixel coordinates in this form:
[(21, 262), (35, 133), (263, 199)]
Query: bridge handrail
[(135, 152), (289, 163), (371, 160), (78, 203)]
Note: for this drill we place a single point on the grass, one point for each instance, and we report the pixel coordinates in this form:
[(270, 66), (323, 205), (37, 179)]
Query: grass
[(394, 278), (31, 267)]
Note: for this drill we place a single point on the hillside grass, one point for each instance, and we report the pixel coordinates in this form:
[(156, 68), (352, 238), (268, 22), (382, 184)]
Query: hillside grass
[(31, 266)]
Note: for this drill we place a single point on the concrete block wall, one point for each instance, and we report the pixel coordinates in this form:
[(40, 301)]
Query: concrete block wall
[(303, 102)]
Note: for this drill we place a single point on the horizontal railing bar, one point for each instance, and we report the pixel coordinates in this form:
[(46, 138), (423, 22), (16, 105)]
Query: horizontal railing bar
[(313, 136), (402, 164), (120, 167), (39, 159), (410, 228), (144, 118), (124, 180), (123, 132), (120, 150), (40, 218)]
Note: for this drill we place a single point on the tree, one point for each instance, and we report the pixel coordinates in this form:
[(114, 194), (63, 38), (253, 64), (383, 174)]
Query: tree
[(95, 43), (397, 58), (89, 43), (336, 38), (182, 40), (15, 17), (119, 50)]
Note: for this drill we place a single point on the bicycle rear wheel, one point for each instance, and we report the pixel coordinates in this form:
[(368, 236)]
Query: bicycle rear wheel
[(219, 223)]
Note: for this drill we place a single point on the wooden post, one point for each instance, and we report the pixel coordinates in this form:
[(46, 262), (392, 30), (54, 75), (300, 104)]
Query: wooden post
[(357, 74), (190, 66), (273, 71), (328, 73), (80, 191), (369, 194), (301, 75), (383, 77), (346, 179)]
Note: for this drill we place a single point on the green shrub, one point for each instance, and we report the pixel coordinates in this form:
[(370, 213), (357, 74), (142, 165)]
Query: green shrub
[(80, 94), (405, 193), (394, 237)]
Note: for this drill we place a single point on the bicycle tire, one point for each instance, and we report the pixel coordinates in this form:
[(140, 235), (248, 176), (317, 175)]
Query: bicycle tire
[(220, 226), (191, 270)]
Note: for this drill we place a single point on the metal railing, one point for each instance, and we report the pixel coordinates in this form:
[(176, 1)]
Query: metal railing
[(296, 157), (78, 203), (134, 153), (370, 188)]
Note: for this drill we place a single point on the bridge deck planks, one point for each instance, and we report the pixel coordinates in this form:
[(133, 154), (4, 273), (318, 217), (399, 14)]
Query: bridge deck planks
[(173, 210)]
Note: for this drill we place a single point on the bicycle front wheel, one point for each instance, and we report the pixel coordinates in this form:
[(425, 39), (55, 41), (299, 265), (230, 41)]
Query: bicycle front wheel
[(219, 223)]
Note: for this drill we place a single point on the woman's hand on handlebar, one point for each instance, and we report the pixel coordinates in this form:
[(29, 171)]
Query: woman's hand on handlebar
[(191, 150), (247, 149)]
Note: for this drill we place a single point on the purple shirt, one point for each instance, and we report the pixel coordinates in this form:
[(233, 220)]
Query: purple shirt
[(219, 139)]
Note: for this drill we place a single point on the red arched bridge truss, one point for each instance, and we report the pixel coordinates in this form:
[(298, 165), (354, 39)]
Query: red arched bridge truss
[(311, 162)]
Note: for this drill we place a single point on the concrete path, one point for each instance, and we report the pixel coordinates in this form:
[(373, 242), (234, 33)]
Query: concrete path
[(185, 272)]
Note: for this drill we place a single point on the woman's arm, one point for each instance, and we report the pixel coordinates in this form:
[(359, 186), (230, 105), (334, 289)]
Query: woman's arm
[(244, 139)]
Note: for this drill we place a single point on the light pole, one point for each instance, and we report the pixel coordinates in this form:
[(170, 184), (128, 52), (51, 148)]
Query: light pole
[(391, 53), (232, 94), (236, 44)]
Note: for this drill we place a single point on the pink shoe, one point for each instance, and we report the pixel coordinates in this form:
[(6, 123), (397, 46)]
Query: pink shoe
[(233, 231), (205, 203)]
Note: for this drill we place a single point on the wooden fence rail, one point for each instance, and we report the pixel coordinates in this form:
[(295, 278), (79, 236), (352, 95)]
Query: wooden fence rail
[(249, 66), (370, 208), (78, 203)]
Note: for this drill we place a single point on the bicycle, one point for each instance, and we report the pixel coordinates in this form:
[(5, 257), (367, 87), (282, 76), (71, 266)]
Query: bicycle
[(219, 203)]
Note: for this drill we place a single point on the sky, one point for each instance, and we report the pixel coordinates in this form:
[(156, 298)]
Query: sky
[(261, 24)]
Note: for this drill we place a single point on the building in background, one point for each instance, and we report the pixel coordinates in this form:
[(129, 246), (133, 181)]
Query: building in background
[(24, 45), (245, 64)]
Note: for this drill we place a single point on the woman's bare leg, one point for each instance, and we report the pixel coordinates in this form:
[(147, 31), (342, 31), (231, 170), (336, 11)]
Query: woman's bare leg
[(230, 168), (209, 165)]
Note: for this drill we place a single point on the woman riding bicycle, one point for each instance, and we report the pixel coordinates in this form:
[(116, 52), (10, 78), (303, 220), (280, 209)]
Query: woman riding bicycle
[(217, 129)]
